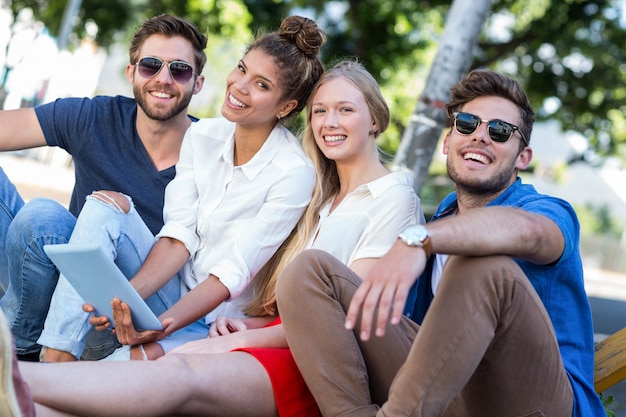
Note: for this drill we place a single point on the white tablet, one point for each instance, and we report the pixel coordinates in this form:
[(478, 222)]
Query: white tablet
[(98, 281)]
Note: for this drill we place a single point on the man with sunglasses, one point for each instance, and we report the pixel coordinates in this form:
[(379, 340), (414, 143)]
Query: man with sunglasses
[(117, 143), (498, 322)]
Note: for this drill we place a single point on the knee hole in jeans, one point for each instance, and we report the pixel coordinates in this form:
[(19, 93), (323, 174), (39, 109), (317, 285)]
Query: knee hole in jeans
[(112, 198)]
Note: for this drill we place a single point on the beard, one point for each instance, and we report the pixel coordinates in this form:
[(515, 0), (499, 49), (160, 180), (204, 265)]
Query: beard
[(490, 187), (158, 113)]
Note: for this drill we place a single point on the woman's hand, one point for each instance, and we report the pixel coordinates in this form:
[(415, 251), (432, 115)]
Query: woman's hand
[(226, 325), (259, 337), (125, 330), (101, 323)]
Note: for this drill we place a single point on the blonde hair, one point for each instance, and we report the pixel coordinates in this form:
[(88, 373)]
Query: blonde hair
[(326, 185)]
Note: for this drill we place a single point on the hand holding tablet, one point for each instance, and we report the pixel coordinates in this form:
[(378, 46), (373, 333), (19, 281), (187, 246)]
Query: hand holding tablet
[(98, 281)]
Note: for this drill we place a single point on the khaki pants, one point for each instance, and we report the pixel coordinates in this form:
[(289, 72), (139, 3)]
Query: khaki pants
[(485, 348)]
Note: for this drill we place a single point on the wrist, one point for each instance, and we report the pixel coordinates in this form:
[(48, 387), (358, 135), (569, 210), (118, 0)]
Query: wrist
[(417, 236)]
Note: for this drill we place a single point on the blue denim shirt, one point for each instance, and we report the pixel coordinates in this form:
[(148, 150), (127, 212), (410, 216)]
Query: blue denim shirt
[(560, 286)]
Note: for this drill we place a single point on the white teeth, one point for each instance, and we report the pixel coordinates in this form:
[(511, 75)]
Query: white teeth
[(335, 138), (476, 157), (232, 100), (161, 94)]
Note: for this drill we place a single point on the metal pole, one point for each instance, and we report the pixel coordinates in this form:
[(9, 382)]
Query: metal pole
[(67, 24)]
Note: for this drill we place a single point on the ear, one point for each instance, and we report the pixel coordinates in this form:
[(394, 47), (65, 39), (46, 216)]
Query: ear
[(374, 129), (197, 86), (524, 158), (445, 143), (287, 107), (130, 72)]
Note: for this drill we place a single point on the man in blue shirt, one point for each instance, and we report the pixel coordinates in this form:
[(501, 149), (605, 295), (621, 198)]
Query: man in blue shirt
[(117, 143), (501, 323)]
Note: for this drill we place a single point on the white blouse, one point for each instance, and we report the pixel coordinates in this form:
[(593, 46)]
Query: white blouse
[(232, 218), (368, 220)]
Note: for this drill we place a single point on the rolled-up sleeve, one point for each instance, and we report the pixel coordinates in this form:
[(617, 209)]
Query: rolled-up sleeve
[(233, 218), (286, 201)]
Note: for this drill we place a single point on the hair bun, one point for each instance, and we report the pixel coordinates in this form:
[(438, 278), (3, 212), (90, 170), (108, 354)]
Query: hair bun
[(304, 32)]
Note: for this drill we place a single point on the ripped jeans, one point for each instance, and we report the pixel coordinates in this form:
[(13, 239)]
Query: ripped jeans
[(127, 240)]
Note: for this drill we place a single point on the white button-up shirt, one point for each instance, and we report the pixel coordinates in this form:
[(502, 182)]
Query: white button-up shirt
[(368, 220), (232, 218)]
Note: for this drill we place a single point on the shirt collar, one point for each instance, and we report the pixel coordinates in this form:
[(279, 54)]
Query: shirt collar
[(382, 184), (449, 204), (278, 137)]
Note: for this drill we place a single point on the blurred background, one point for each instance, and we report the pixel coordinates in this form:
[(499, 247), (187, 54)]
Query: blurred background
[(568, 54)]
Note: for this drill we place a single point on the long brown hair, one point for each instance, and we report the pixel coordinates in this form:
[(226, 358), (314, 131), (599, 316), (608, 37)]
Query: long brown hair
[(326, 187), (295, 47)]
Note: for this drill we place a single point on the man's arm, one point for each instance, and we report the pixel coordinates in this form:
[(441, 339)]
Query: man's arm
[(478, 232), (20, 129), (498, 231)]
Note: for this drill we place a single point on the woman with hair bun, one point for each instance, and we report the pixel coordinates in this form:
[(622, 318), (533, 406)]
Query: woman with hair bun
[(243, 369), (242, 183)]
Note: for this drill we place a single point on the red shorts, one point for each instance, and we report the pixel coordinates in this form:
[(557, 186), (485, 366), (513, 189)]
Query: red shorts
[(293, 398)]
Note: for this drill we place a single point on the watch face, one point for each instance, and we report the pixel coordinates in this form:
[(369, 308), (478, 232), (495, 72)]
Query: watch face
[(414, 235), (420, 233)]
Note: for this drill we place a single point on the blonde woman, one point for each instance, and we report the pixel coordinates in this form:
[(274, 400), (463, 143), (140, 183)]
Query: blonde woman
[(242, 183), (246, 368)]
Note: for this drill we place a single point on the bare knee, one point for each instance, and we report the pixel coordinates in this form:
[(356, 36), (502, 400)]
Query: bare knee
[(183, 364), (112, 198), (177, 361)]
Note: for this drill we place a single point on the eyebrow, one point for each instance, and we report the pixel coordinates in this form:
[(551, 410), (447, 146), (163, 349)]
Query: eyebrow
[(340, 103), (269, 81)]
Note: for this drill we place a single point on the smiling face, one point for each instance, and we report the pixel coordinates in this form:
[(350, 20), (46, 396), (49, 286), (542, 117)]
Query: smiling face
[(254, 92), (341, 122), (160, 97), (478, 165)]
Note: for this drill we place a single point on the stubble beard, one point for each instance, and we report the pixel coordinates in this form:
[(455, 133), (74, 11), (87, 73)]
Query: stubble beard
[(160, 114), (482, 188)]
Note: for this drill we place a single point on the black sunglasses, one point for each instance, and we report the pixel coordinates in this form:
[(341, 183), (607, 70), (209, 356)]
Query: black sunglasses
[(499, 130), (150, 66)]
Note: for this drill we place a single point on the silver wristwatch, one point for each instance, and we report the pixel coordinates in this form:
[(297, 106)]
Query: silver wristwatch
[(417, 235)]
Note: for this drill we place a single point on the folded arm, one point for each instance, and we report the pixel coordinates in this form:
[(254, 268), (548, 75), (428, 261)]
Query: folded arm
[(478, 232)]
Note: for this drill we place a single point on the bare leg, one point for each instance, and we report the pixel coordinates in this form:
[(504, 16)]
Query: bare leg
[(43, 411), (224, 384), (53, 355)]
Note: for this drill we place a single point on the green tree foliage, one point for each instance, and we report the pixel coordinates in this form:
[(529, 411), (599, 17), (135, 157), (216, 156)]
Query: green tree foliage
[(228, 18), (571, 58), (114, 17), (396, 42), (569, 54), (109, 15)]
